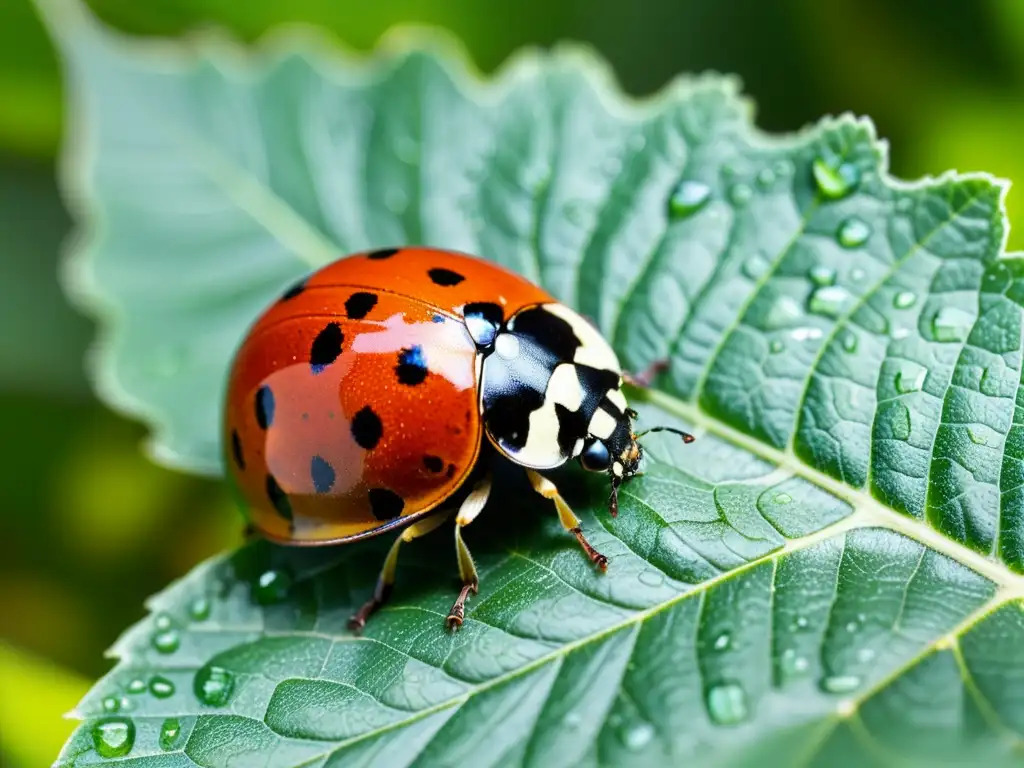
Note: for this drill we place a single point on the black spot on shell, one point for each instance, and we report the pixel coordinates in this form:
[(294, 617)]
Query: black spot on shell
[(264, 406), (433, 463), (236, 449), (358, 305), (445, 277), (385, 504), (547, 332), (326, 347), (322, 474), (295, 290), (382, 253), (366, 428), (412, 366), (451, 471), (278, 498)]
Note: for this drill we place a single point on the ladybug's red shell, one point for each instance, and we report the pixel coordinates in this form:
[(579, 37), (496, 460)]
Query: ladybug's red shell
[(353, 402)]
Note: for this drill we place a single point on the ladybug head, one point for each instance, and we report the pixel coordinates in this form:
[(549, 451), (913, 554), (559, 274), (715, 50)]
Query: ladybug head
[(620, 454)]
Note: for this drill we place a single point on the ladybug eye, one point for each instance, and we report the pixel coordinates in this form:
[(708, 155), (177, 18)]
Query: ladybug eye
[(595, 457)]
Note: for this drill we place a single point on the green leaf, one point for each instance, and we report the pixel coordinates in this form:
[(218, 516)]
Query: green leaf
[(830, 575)]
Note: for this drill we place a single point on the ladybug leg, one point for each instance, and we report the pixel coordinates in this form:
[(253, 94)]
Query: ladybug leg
[(470, 508), (570, 522), (646, 377), (386, 579)]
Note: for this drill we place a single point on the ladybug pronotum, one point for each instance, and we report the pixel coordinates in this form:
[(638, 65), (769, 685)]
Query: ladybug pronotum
[(365, 398)]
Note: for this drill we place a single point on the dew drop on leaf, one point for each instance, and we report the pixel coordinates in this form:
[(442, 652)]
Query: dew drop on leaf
[(161, 687), (835, 181), (783, 167), (857, 274), (723, 641), (776, 346), (910, 378), (904, 300), (688, 198), (272, 587), (740, 194), (793, 664), (782, 313), (853, 232), (849, 341), (170, 734), (828, 301), (214, 685), (801, 622), (113, 736), (898, 418), (951, 324), (167, 641), (757, 266), (765, 178), (111, 704), (852, 626), (821, 275), (782, 498), (651, 578), (840, 683), (572, 720), (638, 736), (137, 685), (865, 655), (727, 704), (162, 622), (199, 608)]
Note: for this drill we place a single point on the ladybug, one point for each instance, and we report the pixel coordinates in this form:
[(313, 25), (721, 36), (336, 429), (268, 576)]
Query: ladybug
[(365, 398)]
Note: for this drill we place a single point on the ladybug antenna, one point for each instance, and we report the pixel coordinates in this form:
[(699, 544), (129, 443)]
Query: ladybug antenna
[(687, 437)]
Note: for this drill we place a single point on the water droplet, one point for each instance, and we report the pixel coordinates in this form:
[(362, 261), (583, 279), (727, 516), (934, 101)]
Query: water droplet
[(730, 169), (756, 266), (793, 664), (137, 685), (727, 704), (272, 587), (976, 436), (782, 498), (828, 301), (857, 274), (199, 609), (910, 378), (651, 578), (167, 641), (782, 313), (111, 704), (162, 622), (806, 334), (776, 346), (572, 720), (765, 178), (822, 275), (899, 332), (170, 734), (740, 194), (113, 737), (850, 341), (840, 683), (865, 655), (783, 167), (852, 626), (904, 300), (161, 687), (800, 623), (638, 736), (688, 198), (898, 418), (951, 324), (723, 641), (214, 685), (833, 181), (853, 232)]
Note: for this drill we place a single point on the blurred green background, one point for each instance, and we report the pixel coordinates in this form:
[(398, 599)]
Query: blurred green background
[(89, 528)]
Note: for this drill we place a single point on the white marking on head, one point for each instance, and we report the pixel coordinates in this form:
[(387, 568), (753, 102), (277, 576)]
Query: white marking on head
[(617, 469), (602, 424), (507, 346), (594, 349), (617, 399)]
